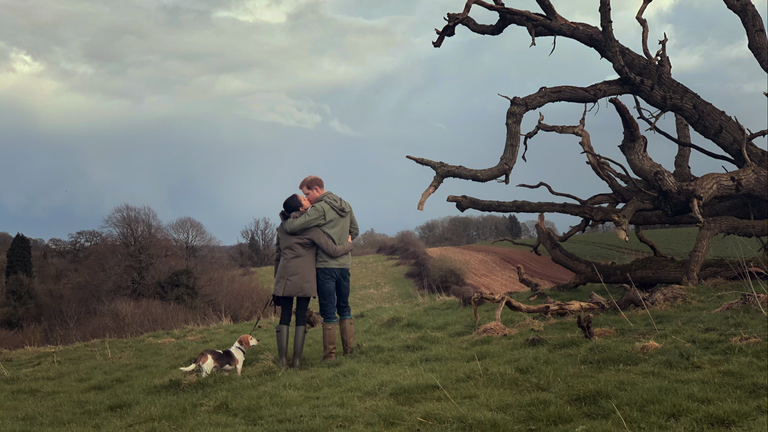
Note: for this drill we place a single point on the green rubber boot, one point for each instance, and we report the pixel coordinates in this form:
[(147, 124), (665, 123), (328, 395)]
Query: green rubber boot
[(298, 345), (281, 333)]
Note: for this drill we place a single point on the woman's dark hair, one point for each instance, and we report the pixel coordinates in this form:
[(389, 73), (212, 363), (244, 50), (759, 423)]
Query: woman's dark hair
[(290, 205)]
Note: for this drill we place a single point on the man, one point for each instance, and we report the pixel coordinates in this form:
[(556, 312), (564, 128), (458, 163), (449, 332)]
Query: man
[(334, 216)]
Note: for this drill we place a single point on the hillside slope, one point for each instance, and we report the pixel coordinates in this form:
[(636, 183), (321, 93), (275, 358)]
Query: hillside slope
[(493, 269)]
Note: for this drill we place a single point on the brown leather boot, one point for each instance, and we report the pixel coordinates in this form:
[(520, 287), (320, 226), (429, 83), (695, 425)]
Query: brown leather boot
[(347, 328), (329, 341)]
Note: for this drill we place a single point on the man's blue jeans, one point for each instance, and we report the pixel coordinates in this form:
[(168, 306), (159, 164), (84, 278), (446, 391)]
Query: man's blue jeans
[(333, 294)]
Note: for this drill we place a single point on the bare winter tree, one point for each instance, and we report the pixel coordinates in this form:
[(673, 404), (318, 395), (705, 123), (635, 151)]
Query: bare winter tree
[(78, 246), (258, 247), (138, 230), (368, 242), (530, 227), (190, 237), (643, 192), (431, 231), (5, 240)]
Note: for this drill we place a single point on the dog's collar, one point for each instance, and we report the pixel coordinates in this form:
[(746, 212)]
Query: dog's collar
[(240, 348)]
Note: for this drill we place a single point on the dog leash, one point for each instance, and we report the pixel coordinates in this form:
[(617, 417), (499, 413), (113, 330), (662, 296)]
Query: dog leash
[(270, 300)]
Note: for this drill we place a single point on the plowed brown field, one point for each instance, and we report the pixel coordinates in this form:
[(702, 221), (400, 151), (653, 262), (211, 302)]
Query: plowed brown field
[(492, 269)]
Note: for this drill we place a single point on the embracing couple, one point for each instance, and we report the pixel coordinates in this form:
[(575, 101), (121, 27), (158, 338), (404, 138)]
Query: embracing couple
[(314, 241)]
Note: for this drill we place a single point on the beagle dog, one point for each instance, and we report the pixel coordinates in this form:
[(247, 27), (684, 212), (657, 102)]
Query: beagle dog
[(232, 358)]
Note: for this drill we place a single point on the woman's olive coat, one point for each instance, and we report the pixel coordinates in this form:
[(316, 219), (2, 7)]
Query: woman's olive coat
[(295, 260)]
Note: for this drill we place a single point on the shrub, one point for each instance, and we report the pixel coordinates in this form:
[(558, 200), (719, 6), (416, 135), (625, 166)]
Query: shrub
[(368, 243), (130, 318), (445, 273), (19, 304), (179, 287), (464, 293), (231, 295), (405, 245), (437, 275), (79, 307)]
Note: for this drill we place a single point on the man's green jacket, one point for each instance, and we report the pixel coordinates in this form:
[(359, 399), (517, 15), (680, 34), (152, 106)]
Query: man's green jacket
[(335, 217)]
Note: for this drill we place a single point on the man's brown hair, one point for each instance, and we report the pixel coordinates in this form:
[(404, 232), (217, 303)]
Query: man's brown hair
[(312, 182)]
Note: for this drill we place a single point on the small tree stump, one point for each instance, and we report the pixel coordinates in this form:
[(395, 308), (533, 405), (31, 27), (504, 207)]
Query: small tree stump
[(535, 340), (585, 325), (631, 297)]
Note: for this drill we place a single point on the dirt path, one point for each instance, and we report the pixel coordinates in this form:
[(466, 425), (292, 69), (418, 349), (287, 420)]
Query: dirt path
[(492, 269)]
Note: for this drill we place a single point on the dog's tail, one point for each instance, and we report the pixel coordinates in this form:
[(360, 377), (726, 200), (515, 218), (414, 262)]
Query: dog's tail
[(189, 368)]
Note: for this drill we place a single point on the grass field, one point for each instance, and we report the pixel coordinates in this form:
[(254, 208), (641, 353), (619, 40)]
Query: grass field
[(417, 367)]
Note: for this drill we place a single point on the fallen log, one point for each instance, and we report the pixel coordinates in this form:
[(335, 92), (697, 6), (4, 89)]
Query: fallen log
[(556, 307), (632, 298)]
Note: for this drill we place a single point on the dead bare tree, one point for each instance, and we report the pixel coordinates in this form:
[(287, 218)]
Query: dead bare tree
[(190, 237), (643, 192)]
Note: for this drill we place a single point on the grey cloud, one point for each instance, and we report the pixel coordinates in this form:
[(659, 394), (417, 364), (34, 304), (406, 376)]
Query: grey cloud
[(134, 52), (166, 104)]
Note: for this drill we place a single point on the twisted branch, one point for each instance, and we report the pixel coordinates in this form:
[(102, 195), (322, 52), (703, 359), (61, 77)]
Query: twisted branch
[(644, 25), (681, 143), (573, 197), (518, 107), (757, 42)]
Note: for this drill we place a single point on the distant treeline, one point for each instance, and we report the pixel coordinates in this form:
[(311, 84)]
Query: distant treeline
[(451, 231), (132, 275), (462, 230)]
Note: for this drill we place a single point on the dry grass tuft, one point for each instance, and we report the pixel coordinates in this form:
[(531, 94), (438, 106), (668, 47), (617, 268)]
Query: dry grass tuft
[(664, 297), (188, 380), (530, 323), (495, 329), (746, 340), (194, 338), (647, 347), (266, 357), (166, 341)]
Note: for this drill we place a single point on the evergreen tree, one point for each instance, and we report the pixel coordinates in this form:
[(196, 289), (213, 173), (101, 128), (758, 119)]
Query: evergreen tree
[(19, 257), (18, 303), (515, 229)]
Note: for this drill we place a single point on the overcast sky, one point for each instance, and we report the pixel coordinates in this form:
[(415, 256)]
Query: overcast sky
[(217, 109)]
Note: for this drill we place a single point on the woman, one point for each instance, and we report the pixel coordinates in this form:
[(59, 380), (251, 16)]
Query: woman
[(295, 275)]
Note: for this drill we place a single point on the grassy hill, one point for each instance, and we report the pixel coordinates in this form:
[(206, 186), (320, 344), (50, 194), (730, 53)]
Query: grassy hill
[(418, 366)]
